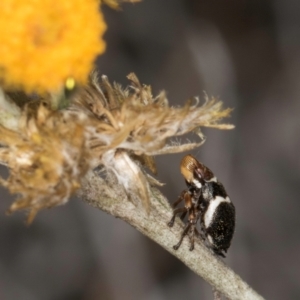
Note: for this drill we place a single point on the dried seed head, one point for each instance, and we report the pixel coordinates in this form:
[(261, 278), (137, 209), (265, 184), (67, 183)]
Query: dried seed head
[(104, 126), (47, 159)]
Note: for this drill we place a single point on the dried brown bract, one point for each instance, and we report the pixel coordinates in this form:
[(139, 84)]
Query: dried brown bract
[(104, 126), (47, 158)]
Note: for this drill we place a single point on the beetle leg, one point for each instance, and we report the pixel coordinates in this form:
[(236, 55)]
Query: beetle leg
[(183, 215), (192, 237), (181, 198), (200, 234), (184, 233), (177, 211)]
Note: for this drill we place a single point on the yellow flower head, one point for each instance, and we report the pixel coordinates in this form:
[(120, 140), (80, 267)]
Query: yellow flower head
[(43, 43)]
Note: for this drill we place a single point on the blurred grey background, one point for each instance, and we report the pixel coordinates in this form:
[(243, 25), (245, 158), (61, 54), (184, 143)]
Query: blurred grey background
[(247, 54)]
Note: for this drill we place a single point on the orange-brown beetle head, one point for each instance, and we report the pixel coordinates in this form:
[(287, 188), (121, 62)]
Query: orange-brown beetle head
[(195, 172)]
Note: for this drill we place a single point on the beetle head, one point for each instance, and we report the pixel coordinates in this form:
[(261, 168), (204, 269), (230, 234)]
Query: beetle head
[(194, 172)]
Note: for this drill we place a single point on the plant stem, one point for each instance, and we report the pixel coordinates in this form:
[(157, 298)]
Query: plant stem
[(112, 199)]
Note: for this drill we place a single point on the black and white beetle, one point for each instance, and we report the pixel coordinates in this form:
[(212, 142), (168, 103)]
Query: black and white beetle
[(206, 199)]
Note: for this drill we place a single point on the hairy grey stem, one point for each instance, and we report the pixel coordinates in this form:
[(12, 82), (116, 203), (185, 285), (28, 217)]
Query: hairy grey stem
[(112, 199)]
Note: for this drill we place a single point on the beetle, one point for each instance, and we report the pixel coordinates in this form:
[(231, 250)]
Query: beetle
[(205, 199)]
